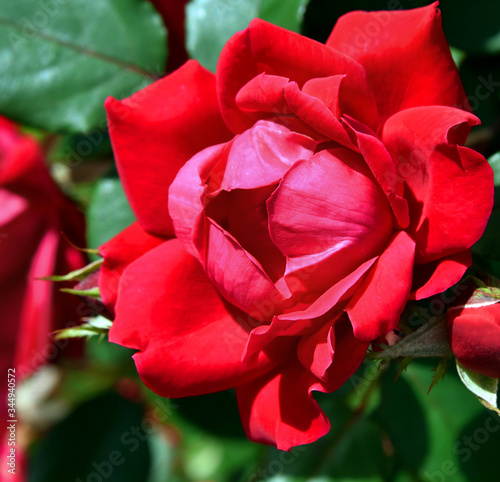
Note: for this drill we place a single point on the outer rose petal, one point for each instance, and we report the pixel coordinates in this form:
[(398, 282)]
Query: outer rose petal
[(278, 408), (189, 340), (316, 350), (174, 118), (349, 353), (264, 47), (118, 253), (405, 55), (438, 176), (436, 277), (375, 308), (474, 335)]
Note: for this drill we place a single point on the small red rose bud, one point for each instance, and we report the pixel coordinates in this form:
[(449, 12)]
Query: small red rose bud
[(474, 332)]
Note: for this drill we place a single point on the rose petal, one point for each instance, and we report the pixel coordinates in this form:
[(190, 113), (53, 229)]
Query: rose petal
[(375, 308), (241, 208), (186, 199), (190, 341), (474, 335), (263, 93), (315, 106), (278, 408), (300, 321), (435, 277), (264, 47), (239, 277), (174, 118), (316, 350), (118, 253), (331, 208), (405, 55), (438, 176), (349, 353), (263, 154), (35, 322), (384, 170)]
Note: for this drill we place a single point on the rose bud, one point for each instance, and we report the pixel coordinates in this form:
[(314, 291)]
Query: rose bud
[(474, 333)]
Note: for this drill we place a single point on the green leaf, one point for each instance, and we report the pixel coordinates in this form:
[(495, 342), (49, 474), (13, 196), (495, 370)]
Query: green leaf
[(211, 23), (91, 293), (494, 161), (450, 415), (78, 274), (485, 388), (93, 327), (108, 212), (61, 59), (287, 14), (440, 371), (400, 414)]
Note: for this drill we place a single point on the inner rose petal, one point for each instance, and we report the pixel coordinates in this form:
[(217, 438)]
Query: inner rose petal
[(261, 155), (327, 217), (239, 209)]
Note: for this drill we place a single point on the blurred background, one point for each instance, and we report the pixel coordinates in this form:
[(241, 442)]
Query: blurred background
[(86, 417)]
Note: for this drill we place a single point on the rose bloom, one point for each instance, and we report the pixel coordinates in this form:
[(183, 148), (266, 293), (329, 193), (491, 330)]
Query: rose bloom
[(33, 213), (474, 334), (288, 207)]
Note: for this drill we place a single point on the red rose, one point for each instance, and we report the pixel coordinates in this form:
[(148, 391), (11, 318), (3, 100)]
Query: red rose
[(474, 334), (314, 189), (33, 214)]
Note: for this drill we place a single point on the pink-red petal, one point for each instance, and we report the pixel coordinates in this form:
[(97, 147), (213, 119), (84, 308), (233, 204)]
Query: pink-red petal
[(474, 335), (328, 214), (239, 277)]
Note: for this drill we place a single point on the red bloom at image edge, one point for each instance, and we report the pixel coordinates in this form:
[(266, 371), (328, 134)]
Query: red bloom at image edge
[(314, 190), (33, 214), (474, 333)]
